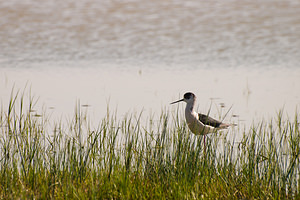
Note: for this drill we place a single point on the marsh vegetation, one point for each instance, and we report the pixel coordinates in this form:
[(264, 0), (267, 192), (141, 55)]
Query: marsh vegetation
[(129, 158)]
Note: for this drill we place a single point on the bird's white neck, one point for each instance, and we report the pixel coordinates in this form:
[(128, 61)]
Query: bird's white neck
[(190, 107)]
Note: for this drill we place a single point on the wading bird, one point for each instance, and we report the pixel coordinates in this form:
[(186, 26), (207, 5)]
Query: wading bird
[(199, 124)]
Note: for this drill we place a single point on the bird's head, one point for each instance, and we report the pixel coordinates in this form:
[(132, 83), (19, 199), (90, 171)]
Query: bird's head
[(188, 97)]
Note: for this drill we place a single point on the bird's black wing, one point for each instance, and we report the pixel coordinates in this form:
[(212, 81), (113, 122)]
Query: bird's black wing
[(206, 120)]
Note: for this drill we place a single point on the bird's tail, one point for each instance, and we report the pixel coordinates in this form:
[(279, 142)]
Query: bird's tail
[(223, 125)]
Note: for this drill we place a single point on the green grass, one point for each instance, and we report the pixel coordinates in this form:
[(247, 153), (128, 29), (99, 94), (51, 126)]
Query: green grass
[(131, 158)]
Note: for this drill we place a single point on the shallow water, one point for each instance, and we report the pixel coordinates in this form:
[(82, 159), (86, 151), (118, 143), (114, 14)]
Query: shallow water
[(253, 95), (136, 55)]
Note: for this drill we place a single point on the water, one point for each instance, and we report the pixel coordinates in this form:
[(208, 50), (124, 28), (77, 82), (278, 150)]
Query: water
[(142, 55), (191, 33)]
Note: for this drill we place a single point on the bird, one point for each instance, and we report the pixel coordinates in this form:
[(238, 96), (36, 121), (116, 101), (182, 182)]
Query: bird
[(199, 124)]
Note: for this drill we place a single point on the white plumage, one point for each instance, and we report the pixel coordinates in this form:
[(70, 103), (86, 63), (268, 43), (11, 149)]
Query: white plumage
[(199, 124)]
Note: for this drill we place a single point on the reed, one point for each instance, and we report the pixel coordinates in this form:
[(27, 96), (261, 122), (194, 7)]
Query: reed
[(133, 158)]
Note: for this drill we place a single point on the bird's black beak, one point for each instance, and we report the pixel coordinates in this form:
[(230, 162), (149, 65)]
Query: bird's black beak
[(177, 101)]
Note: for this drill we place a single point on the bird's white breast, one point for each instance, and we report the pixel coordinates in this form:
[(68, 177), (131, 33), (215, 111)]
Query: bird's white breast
[(195, 125)]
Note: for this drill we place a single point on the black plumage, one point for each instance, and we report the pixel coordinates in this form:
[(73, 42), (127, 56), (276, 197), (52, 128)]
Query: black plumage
[(206, 120)]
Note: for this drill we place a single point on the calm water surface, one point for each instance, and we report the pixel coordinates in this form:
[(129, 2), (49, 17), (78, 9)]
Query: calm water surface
[(136, 55)]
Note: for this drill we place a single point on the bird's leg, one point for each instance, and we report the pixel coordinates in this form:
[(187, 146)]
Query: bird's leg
[(204, 147)]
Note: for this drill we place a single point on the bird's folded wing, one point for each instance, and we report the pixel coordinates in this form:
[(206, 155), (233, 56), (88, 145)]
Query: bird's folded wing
[(206, 120)]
